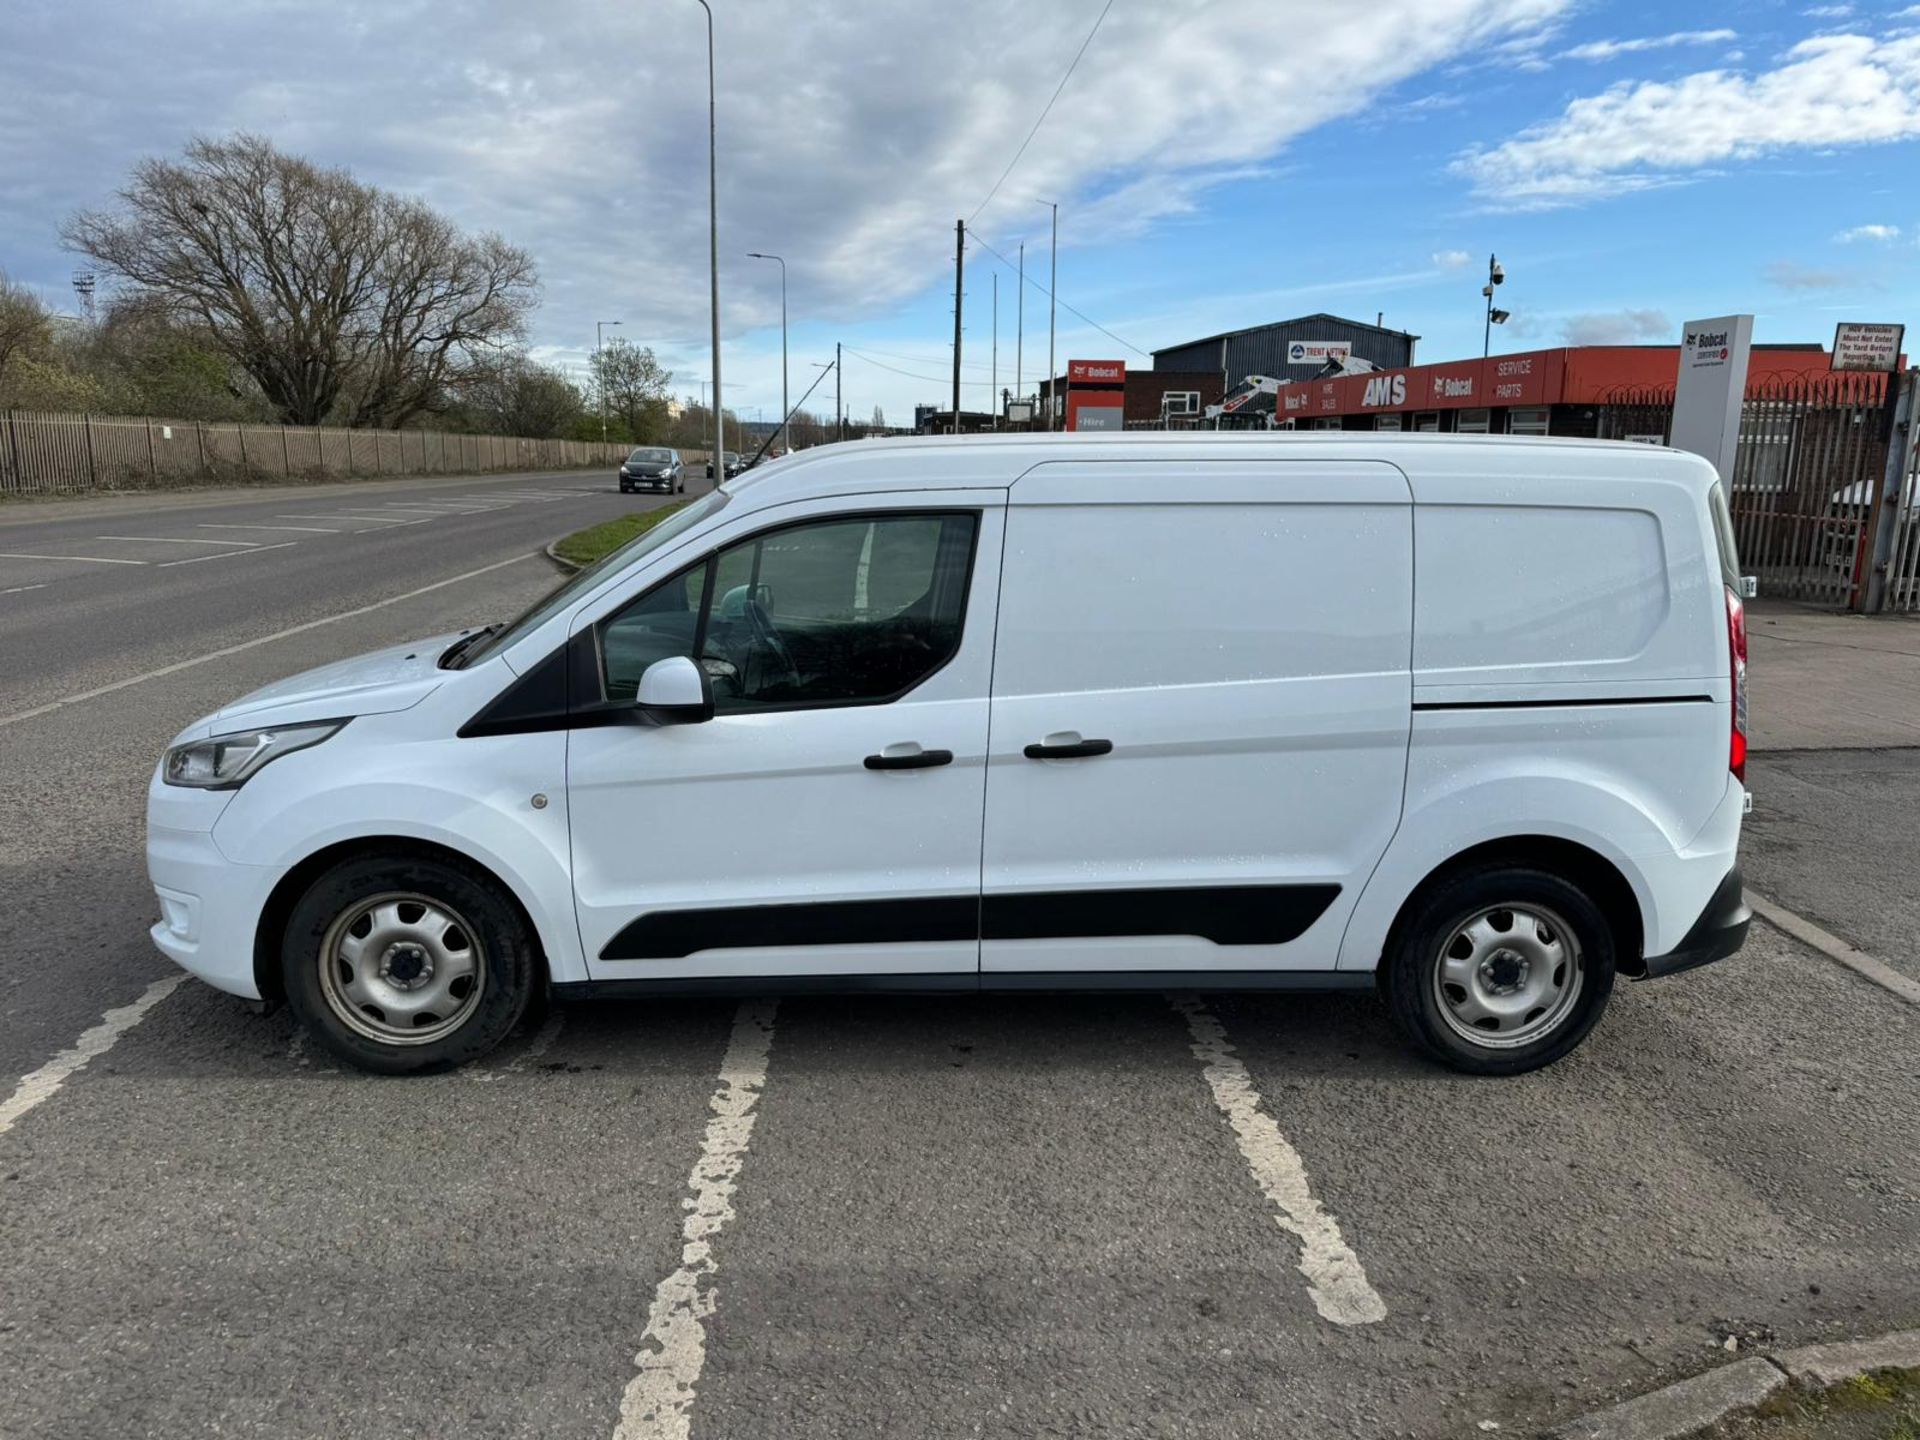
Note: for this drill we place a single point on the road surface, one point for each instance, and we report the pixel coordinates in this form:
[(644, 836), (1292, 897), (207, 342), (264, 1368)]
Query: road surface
[(826, 1217)]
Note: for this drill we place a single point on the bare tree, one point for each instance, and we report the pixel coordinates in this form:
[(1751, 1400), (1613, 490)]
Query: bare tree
[(632, 384), (23, 322), (341, 301), (516, 396)]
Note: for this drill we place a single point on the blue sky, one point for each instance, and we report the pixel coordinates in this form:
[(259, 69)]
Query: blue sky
[(1218, 164)]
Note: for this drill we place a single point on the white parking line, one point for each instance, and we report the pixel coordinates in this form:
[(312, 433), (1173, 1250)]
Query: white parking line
[(309, 529), (22, 589), (43, 1084), (175, 540), (1335, 1280), (536, 1049), (83, 559), (226, 650), (361, 518), (397, 525), (658, 1402), (229, 554)]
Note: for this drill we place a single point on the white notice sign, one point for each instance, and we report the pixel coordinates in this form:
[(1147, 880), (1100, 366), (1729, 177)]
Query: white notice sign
[(1867, 347)]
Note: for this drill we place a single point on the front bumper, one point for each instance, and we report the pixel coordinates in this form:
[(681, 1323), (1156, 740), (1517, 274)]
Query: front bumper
[(209, 907), (1720, 930)]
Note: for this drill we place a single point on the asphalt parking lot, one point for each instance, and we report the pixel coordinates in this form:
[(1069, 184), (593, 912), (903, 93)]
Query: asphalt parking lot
[(999, 1216)]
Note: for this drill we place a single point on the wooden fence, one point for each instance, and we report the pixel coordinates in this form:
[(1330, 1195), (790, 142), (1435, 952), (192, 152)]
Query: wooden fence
[(50, 454)]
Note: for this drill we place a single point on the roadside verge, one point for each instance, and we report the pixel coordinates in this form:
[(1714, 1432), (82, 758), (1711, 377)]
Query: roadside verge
[(583, 547), (1884, 1371)]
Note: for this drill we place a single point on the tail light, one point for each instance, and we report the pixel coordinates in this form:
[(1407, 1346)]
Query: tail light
[(1737, 653)]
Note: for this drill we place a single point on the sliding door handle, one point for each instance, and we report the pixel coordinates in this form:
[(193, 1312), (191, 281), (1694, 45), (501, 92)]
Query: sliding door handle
[(911, 760), (1069, 750)]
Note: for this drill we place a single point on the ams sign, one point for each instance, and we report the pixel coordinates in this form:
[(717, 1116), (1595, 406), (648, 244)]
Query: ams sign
[(1385, 390)]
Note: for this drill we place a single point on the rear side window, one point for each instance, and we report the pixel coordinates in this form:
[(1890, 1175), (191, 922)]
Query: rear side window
[(846, 611), (1723, 534)]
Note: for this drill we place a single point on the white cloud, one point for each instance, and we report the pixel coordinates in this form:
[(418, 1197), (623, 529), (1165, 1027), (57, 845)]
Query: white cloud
[(1607, 49), (1868, 232), (851, 135), (1830, 91), (1616, 327), (1791, 275), (1827, 12), (1451, 259)]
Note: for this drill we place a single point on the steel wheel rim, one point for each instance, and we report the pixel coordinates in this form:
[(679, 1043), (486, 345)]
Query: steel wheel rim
[(1508, 975), (402, 969)]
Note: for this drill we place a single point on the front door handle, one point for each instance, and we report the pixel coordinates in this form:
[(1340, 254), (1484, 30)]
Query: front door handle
[(1069, 750), (912, 760)]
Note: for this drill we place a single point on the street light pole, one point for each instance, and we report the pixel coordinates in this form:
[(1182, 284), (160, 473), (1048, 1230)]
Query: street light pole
[(1496, 275), (713, 249), (599, 380), (786, 438), (1053, 281)]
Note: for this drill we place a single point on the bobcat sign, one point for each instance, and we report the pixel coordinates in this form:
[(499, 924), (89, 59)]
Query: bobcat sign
[(1711, 383)]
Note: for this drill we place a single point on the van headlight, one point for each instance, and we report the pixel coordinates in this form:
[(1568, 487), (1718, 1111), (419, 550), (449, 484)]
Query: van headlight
[(226, 762)]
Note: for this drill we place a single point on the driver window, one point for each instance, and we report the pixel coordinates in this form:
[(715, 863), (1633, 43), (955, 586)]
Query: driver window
[(853, 610)]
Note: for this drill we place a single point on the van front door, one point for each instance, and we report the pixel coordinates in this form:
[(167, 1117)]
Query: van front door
[(1201, 708), (827, 819)]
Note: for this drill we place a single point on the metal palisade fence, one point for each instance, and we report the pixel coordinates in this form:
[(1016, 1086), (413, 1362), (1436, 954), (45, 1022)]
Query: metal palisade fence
[(51, 454), (1820, 512)]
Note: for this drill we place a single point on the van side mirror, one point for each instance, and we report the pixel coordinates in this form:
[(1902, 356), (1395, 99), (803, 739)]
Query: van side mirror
[(1749, 587), (675, 691)]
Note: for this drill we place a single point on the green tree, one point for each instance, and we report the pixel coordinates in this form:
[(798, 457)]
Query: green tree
[(24, 327), (517, 396), (632, 385)]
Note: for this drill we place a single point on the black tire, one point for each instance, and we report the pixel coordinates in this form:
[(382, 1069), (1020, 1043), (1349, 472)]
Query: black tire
[(1414, 983), (507, 963)]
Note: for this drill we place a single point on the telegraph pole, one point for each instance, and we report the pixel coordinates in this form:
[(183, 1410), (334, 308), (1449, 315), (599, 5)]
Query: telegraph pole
[(959, 261), (839, 425), (993, 388), (1053, 306), (1020, 320)]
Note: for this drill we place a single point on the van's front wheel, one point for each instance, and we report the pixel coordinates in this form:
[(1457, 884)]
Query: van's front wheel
[(1501, 971), (401, 963)]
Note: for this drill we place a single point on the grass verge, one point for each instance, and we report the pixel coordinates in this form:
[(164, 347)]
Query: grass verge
[(1883, 1405), (583, 547)]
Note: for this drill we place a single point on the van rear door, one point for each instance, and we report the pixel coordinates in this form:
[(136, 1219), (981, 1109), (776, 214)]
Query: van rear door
[(1200, 710)]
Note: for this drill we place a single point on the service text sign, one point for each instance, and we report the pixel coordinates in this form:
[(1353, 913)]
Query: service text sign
[(1867, 347)]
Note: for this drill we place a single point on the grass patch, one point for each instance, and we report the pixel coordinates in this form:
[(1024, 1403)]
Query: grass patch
[(1884, 1405), (583, 547)]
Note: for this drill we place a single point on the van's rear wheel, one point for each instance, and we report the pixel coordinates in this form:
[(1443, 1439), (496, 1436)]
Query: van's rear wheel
[(400, 963), (1501, 970)]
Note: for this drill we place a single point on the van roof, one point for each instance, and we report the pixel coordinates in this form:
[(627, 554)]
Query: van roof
[(951, 461)]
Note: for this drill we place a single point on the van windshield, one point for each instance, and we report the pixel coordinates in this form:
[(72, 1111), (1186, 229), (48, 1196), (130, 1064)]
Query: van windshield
[(557, 599)]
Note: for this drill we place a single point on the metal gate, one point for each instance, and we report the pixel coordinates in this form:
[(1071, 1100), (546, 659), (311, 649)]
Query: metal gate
[(1807, 474)]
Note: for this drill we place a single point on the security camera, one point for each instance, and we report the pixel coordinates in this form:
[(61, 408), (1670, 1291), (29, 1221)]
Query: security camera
[(1499, 273)]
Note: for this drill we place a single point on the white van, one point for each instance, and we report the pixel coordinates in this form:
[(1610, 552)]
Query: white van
[(1461, 718)]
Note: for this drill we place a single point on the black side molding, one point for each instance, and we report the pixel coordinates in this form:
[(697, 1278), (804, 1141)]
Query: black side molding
[(1720, 930), (1224, 914), (1576, 703)]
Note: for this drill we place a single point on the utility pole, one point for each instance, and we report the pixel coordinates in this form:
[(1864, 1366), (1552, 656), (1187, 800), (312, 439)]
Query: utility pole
[(1053, 306), (993, 386), (786, 436), (713, 251), (959, 261), (839, 424), (1020, 320)]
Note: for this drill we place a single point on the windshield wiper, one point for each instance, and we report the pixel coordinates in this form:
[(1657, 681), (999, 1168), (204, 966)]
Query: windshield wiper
[(450, 658)]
